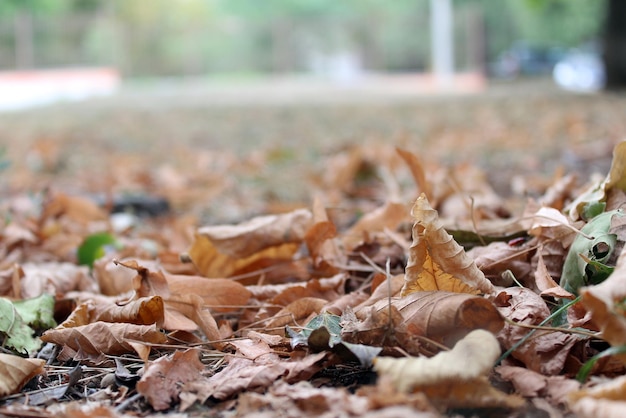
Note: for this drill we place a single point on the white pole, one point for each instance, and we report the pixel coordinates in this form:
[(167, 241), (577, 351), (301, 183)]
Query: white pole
[(442, 49)]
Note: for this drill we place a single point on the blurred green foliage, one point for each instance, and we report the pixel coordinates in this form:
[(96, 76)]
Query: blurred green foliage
[(195, 37)]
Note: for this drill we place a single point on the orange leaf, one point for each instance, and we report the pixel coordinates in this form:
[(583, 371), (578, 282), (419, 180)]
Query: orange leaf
[(417, 171), (143, 311), (212, 263)]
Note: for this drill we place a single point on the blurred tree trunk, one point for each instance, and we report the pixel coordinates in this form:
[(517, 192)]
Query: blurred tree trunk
[(615, 45), (24, 40)]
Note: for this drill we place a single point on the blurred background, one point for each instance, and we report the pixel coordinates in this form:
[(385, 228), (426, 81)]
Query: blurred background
[(246, 100), (339, 41)]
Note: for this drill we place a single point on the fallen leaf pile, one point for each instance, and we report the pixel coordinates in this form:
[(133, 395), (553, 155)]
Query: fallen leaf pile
[(403, 287)]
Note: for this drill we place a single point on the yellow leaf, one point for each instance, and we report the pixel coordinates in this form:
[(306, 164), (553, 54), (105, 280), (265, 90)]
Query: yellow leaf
[(434, 253), (432, 277)]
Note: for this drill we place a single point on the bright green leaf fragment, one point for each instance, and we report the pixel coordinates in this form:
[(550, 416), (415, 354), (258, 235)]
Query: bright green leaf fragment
[(94, 247), (16, 332), (37, 312)]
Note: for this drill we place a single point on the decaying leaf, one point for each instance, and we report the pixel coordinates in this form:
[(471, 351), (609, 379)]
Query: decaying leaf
[(388, 216), (245, 239), (142, 311), (16, 371), (530, 384), (225, 250), (242, 374), (442, 316), (219, 295), (164, 378), (324, 251), (91, 342), (431, 241), (546, 352)]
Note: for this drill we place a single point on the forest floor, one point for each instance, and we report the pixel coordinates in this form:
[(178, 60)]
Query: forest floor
[(519, 132), (340, 167)]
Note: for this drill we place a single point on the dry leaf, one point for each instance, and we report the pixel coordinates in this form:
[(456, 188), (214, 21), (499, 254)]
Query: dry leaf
[(605, 400), (547, 351), (78, 209), (497, 257), (164, 378), (432, 277), (16, 371), (55, 279), (443, 316), (251, 237), (530, 384), (242, 374), (319, 241), (113, 278), (220, 295), (417, 171), (92, 341), (211, 263), (550, 224), (545, 284), (457, 375), (142, 311), (295, 314), (430, 240), (389, 216)]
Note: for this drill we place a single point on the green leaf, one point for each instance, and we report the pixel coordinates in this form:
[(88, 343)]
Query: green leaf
[(94, 247), (595, 271), (37, 312), (599, 248), (584, 371), (327, 321), (592, 209), (18, 335), (324, 333)]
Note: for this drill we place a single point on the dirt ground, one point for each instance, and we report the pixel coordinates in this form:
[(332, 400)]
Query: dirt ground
[(280, 133)]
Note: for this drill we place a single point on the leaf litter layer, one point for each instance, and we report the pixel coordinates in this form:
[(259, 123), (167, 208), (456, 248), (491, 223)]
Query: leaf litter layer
[(441, 241)]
